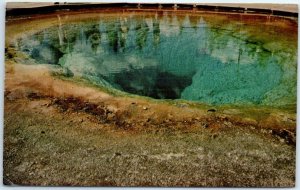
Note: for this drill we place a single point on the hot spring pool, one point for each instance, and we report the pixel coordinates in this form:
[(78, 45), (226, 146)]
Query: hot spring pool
[(203, 57)]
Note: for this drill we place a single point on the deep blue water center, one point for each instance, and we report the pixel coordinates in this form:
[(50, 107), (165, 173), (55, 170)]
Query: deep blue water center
[(171, 56)]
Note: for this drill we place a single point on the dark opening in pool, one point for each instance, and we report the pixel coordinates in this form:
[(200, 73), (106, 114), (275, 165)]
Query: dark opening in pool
[(153, 83)]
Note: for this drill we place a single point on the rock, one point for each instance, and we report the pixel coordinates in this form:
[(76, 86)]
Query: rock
[(145, 108)]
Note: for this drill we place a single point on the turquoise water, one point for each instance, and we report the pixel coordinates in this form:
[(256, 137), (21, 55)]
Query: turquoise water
[(193, 57)]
